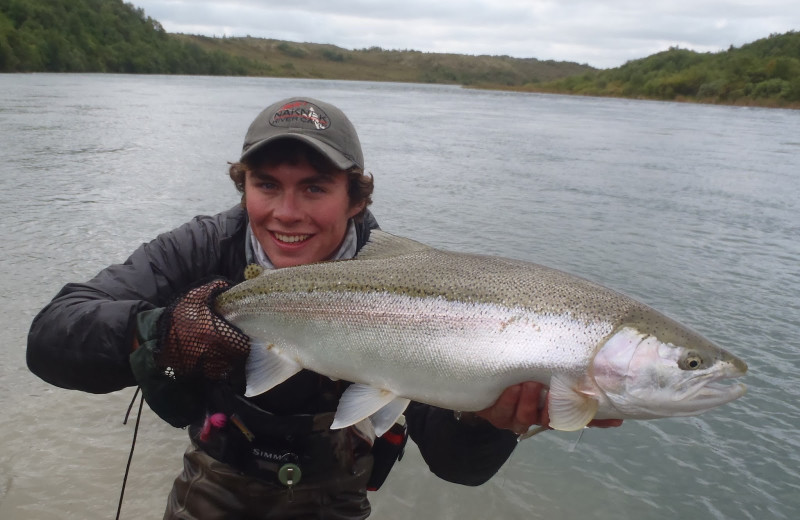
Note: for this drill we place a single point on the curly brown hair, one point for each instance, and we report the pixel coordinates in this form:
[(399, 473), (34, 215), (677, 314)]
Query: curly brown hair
[(291, 151)]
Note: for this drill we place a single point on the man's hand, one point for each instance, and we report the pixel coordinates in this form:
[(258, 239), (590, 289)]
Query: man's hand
[(194, 340), (521, 406)]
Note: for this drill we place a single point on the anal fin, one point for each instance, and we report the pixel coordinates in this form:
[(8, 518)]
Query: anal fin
[(384, 418), (359, 402)]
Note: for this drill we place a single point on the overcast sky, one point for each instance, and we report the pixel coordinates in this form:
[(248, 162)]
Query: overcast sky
[(603, 34)]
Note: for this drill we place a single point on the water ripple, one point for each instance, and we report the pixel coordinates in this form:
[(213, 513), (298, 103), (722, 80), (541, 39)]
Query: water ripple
[(692, 209)]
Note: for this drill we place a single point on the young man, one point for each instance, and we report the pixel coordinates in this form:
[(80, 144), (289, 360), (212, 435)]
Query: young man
[(148, 322)]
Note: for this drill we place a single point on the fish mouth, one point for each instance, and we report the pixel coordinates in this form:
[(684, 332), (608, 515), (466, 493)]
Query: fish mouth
[(719, 392), (709, 393)]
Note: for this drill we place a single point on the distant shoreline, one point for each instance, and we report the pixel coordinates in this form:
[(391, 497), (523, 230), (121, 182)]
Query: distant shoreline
[(75, 36), (742, 103)]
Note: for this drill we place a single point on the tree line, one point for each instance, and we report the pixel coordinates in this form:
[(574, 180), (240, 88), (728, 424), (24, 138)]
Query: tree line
[(113, 36), (99, 36), (764, 72)]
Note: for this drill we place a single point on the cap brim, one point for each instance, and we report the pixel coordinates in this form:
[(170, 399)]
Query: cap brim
[(335, 156)]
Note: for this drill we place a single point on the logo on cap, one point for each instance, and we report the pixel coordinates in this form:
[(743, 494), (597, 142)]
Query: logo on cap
[(301, 114)]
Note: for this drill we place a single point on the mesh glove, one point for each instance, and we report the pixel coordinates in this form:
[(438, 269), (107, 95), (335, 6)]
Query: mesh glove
[(194, 340)]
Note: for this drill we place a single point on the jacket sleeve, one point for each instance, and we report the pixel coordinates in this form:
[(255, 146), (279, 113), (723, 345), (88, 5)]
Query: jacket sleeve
[(82, 339), (462, 452)]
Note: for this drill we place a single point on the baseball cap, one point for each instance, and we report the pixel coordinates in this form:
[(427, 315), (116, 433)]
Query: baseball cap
[(321, 125)]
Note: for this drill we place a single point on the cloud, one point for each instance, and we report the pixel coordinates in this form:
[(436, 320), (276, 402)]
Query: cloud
[(603, 34)]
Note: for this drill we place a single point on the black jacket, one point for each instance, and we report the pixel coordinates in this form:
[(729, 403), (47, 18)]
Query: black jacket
[(82, 339)]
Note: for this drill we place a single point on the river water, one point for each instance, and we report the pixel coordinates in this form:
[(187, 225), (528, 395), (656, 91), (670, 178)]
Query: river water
[(692, 209)]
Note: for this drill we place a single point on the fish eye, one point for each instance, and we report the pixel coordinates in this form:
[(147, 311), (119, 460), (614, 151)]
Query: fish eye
[(692, 361)]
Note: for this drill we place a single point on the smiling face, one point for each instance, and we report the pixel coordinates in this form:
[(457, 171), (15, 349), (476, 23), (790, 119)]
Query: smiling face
[(298, 215)]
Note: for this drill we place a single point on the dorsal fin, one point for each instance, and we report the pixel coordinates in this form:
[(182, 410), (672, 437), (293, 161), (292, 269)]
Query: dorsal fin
[(385, 245)]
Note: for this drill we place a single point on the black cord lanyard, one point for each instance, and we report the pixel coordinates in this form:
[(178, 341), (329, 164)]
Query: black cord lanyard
[(133, 444)]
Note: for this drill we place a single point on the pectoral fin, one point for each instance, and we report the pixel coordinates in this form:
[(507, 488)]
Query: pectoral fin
[(359, 402), (266, 368), (569, 409)]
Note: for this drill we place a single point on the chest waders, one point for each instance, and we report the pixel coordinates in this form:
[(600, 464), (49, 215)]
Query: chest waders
[(292, 449)]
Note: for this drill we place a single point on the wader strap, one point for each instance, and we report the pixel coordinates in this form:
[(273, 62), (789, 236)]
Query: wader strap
[(265, 423), (222, 398)]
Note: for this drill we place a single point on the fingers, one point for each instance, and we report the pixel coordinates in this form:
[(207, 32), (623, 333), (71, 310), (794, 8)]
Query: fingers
[(529, 407), (517, 408), (526, 404), (501, 413), (544, 415)]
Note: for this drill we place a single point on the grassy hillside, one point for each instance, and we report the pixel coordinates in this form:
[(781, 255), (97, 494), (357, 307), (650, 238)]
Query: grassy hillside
[(765, 72), (311, 60), (112, 36)]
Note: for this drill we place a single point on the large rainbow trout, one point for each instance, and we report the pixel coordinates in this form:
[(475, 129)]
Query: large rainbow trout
[(404, 321)]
